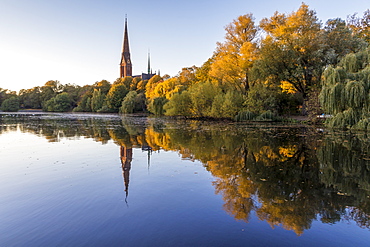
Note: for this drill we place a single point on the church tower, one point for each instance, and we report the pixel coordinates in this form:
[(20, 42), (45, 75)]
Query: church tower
[(125, 66)]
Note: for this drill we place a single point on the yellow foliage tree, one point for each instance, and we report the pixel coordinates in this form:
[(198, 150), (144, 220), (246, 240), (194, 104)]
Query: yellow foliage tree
[(234, 58)]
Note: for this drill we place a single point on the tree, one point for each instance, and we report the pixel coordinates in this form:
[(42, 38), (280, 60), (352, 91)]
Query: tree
[(129, 103), (292, 50), (49, 90), (134, 84), (360, 26), (127, 81), (6, 94), (187, 76), (202, 96), (156, 106), (141, 85), (339, 40), (116, 95), (60, 103), (84, 102), (234, 58), (345, 92), (150, 86), (97, 100), (73, 92), (30, 98), (103, 86), (10, 105), (179, 105)]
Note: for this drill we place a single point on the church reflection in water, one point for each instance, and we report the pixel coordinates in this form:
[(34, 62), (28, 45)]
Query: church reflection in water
[(126, 159), (126, 155)]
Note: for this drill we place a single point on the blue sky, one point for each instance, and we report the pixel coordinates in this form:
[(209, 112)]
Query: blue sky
[(80, 41)]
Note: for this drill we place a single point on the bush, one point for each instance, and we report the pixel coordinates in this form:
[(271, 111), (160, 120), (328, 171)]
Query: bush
[(266, 116), (245, 116)]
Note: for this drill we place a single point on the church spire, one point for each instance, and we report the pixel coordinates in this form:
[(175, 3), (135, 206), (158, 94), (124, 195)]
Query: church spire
[(125, 66), (149, 62)]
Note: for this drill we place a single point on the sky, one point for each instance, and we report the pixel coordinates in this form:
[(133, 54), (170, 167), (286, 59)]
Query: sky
[(80, 41)]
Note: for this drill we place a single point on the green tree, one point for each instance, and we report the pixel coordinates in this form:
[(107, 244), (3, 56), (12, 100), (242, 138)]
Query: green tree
[(10, 105), (202, 96), (60, 103), (30, 98), (179, 105), (73, 92), (339, 40), (6, 94), (84, 99), (49, 90), (345, 92), (97, 100), (156, 106), (129, 103)]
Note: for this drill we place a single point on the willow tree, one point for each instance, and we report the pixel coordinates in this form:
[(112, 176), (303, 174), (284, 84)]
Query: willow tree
[(345, 92)]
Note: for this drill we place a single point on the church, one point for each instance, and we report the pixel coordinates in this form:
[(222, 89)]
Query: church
[(126, 65)]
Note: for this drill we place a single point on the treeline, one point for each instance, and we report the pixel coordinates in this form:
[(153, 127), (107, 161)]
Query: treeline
[(281, 66)]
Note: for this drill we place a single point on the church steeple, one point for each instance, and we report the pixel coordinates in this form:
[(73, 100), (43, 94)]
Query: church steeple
[(148, 62), (125, 66)]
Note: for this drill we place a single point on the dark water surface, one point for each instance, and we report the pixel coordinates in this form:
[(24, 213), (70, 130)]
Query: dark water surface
[(107, 180)]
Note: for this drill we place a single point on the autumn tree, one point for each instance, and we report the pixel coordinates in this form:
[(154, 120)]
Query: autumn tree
[(103, 86), (150, 86), (234, 58), (292, 50), (116, 95), (360, 25)]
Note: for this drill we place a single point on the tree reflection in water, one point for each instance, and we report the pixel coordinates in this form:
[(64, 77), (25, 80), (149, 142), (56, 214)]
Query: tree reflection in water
[(289, 176)]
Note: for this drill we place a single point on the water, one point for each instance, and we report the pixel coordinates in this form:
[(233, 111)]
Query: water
[(94, 180)]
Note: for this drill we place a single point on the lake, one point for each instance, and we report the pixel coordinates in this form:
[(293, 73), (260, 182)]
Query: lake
[(110, 180)]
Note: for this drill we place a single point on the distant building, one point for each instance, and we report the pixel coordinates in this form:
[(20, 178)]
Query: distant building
[(126, 65)]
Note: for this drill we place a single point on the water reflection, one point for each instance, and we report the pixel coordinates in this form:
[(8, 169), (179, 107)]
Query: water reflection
[(288, 176)]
